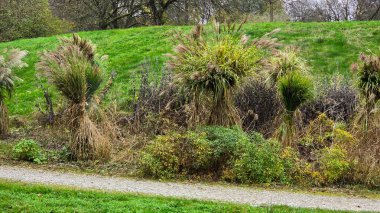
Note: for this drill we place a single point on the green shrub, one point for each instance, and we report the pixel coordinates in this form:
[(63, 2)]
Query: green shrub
[(323, 132), (208, 150), (259, 162), (28, 150), (334, 163), (224, 141), (324, 147), (175, 154)]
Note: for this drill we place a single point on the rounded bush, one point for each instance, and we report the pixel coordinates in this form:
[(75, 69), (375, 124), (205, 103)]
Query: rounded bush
[(28, 150)]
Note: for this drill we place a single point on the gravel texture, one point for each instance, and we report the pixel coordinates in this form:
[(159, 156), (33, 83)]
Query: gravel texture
[(232, 194)]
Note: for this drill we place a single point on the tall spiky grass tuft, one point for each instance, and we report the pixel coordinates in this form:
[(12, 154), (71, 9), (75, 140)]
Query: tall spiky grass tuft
[(295, 89), (75, 73), (283, 62), (8, 60), (211, 65)]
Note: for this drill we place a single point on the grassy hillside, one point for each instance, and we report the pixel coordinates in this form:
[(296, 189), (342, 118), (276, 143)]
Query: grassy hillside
[(329, 48)]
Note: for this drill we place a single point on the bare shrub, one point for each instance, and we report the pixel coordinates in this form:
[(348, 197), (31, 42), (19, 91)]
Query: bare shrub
[(258, 106), (337, 98), (157, 104)]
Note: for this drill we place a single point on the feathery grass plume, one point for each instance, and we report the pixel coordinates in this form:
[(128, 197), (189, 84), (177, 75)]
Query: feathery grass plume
[(74, 72), (295, 89), (283, 62), (9, 60), (368, 83), (211, 65)]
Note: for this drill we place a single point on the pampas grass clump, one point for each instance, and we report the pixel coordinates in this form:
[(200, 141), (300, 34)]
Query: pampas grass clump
[(75, 73)]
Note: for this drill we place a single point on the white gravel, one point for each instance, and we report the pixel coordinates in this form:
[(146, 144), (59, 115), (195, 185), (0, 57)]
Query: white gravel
[(241, 195)]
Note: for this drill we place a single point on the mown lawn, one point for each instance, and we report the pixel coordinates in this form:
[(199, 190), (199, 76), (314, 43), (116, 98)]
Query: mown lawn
[(329, 47), (20, 197)]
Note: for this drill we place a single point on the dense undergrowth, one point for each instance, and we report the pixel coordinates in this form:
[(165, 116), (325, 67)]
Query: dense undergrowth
[(224, 106)]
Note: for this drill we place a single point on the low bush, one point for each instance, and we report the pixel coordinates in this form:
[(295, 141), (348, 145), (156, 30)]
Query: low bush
[(324, 149), (223, 142), (176, 154), (207, 151), (259, 162), (28, 150), (334, 163)]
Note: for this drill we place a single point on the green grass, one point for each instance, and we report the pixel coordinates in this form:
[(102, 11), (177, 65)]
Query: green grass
[(20, 197), (329, 47)]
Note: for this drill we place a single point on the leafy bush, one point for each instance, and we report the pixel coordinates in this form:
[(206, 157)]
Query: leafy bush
[(259, 162), (175, 154), (334, 163), (28, 150), (208, 150), (325, 147), (223, 142), (28, 19)]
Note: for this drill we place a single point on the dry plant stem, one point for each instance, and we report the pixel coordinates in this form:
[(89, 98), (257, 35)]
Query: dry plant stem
[(4, 119), (288, 130), (367, 152), (223, 112), (87, 143)]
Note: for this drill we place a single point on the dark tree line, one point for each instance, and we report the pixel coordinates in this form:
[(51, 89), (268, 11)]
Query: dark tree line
[(103, 14)]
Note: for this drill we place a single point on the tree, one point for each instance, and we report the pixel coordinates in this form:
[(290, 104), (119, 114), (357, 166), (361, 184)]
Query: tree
[(333, 10), (28, 19), (98, 14), (157, 8)]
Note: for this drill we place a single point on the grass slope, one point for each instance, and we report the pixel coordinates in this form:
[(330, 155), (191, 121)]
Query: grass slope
[(20, 197), (329, 48)]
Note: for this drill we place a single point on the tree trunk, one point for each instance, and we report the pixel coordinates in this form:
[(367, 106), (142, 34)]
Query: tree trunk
[(271, 11), (157, 13), (4, 120), (114, 15)]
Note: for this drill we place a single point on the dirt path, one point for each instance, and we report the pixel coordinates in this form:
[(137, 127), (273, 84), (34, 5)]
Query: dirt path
[(197, 191)]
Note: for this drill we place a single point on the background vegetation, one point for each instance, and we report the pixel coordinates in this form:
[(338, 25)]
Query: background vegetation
[(329, 48)]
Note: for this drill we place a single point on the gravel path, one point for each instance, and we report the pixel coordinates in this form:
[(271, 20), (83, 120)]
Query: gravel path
[(197, 191)]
